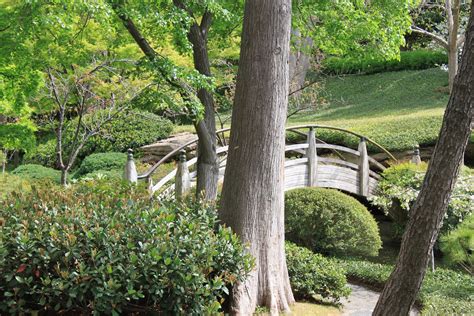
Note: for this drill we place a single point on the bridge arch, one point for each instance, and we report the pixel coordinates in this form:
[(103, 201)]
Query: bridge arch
[(349, 170)]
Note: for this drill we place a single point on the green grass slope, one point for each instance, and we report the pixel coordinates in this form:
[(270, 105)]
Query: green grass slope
[(396, 109)]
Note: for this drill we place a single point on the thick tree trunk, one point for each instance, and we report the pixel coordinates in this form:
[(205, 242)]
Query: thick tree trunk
[(253, 197), (427, 213), (207, 166)]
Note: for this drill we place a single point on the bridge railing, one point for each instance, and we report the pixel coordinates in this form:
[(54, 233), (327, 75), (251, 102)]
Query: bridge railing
[(184, 178)]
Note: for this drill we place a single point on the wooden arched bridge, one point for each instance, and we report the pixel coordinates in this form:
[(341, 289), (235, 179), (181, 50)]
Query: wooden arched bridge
[(340, 167)]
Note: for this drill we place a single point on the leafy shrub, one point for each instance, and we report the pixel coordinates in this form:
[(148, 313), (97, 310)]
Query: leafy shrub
[(102, 161), (458, 245), (37, 172), (104, 248), (130, 129), (400, 185), (443, 292), (43, 154), (311, 274), (330, 222), (409, 60)]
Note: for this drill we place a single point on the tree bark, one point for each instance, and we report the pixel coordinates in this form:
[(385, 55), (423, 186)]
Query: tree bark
[(453, 9), (207, 166), (428, 211), (64, 173), (253, 197)]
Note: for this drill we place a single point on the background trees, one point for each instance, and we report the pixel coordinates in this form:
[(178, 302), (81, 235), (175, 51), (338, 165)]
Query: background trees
[(447, 30)]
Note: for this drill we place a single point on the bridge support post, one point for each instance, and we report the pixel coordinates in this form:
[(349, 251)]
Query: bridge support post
[(312, 155), (416, 159), (130, 172), (182, 179), (363, 168)]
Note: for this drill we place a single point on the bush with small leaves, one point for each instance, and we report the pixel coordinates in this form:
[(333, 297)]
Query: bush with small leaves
[(330, 222), (104, 248), (110, 161), (397, 191), (458, 245), (37, 172), (313, 275)]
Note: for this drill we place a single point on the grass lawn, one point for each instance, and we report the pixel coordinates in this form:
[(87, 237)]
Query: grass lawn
[(396, 109)]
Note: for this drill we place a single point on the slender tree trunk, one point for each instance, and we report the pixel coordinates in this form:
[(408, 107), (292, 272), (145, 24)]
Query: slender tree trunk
[(207, 166), (427, 213), (64, 173), (453, 9), (4, 160), (252, 197)]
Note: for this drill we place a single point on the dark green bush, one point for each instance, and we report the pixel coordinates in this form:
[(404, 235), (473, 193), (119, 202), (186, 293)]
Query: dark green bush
[(458, 245), (37, 172), (311, 274), (330, 222), (102, 161), (105, 248), (409, 60), (400, 185), (130, 129)]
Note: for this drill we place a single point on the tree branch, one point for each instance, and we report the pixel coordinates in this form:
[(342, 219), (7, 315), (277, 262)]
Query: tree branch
[(437, 38)]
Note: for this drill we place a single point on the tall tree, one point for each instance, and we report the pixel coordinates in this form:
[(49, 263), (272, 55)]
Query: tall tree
[(452, 39), (427, 213), (252, 196)]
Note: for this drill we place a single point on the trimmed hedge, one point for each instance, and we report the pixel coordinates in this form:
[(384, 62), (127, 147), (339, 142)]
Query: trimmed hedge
[(111, 161), (104, 248), (409, 60), (330, 222), (37, 172), (311, 274)]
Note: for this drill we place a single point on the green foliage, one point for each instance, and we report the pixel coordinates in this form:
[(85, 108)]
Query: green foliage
[(400, 185), (311, 274), (105, 248), (10, 183), (458, 245), (37, 172), (131, 129), (101, 162), (330, 222), (396, 109), (443, 292), (409, 60), (43, 154), (358, 28)]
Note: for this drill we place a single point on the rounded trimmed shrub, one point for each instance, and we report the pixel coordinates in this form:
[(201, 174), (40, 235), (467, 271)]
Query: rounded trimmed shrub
[(313, 275), (103, 162), (37, 172), (131, 129), (330, 222), (104, 248)]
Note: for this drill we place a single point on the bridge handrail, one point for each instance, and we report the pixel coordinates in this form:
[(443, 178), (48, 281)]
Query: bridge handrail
[(152, 169)]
